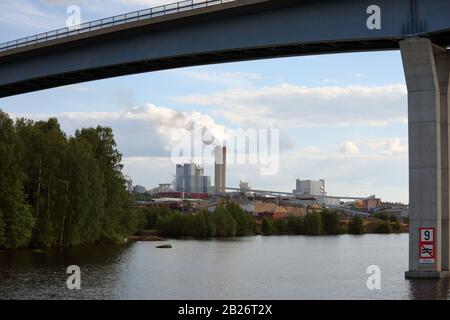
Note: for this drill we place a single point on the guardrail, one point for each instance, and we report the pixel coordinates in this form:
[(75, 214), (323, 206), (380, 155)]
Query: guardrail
[(145, 14)]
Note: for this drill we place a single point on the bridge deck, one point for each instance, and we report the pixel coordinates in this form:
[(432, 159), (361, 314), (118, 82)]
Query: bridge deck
[(199, 32), (127, 20)]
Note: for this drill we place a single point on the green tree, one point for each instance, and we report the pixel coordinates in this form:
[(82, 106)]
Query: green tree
[(137, 221), (84, 211), (313, 224), (60, 191), (356, 225), (393, 218), (152, 215), (203, 225), (396, 226), (16, 220), (382, 216), (173, 225), (384, 227), (295, 225), (225, 224), (245, 224), (2, 230), (281, 226), (267, 226), (117, 202), (331, 222), (45, 151)]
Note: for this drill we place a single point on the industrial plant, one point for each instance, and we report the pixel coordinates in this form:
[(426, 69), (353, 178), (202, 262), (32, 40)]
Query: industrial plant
[(191, 190)]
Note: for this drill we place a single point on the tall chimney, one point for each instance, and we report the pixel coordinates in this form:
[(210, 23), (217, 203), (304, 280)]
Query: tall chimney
[(220, 168), (224, 169)]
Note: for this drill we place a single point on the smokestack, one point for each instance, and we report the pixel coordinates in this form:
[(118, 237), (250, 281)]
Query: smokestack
[(220, 168), (224, 169)]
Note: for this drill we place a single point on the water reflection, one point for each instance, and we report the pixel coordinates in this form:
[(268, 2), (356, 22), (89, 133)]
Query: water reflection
[(424, 289), (246, 268), (42, 275)]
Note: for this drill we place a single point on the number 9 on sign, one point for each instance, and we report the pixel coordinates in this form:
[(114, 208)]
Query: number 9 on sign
[(426, 235)]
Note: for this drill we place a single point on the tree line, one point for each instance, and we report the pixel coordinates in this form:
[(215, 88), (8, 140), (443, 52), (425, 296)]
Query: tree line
[(230, 220), (327, 222), (58, 190), (227, 220)]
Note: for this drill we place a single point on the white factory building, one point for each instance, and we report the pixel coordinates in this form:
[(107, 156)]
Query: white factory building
[(190, 178), (315, 188)]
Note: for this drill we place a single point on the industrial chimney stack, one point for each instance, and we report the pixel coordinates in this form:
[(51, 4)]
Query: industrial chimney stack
[(220, 168)]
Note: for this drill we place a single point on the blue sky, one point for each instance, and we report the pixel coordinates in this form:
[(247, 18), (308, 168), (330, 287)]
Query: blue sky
[(342, 117)]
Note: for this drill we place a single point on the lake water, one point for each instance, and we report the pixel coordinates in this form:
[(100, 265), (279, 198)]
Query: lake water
[(285, 267)]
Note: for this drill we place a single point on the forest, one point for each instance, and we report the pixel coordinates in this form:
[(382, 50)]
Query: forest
[(63, 191), (58, 190)]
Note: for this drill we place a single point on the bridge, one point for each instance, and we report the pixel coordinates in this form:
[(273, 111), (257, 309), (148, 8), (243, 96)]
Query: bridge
[(199, 32)]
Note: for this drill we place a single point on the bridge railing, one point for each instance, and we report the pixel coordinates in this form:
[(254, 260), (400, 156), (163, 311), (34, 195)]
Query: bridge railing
[(145, 14)]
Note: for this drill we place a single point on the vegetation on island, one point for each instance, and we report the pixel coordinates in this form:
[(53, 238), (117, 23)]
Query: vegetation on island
[(230, 220), (58, 190), (226, 221)]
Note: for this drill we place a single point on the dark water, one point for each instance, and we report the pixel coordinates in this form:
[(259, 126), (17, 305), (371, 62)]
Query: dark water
[(247, 268)]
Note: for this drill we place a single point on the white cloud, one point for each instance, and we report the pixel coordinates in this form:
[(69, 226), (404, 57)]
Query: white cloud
[(299, 106), (75, 87), (140, 131), (229, 79), (149, 171), (386, 146), (311, 150), (28, 14), (349, 147), (382, 146)]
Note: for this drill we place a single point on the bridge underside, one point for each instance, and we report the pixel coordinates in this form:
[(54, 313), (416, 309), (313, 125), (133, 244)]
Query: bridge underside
[(105, 72), (229, 32)]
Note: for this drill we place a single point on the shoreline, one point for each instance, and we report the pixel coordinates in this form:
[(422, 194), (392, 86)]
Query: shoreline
[(155, 239)]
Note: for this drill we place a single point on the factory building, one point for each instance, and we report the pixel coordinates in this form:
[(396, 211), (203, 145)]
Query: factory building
[(220, 174), (370, 204), (190, 178), (310, 187), (315, 188)]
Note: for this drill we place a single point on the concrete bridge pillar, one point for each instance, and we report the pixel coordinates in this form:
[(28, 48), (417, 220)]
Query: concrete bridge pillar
[(427, 77), (442, 59)]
